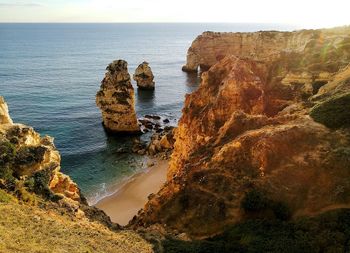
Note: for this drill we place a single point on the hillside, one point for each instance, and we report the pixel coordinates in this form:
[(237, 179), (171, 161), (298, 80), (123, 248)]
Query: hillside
[(42, 209)]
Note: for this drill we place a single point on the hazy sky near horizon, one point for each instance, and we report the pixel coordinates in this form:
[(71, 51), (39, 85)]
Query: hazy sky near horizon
[(303, 13)]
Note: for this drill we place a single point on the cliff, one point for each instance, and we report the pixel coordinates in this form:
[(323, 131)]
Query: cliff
[(265, 136), (28, 156), (42, 209), (210, 47), (116, 99)]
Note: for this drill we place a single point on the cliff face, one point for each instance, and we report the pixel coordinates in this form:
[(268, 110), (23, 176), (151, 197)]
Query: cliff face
[(27, 155), (116, 99), (4, 112), (210, 47), (246, 145)]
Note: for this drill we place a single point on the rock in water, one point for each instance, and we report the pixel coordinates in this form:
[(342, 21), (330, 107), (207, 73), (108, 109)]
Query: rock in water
[(4, 112), (144, 76), (116, 99)]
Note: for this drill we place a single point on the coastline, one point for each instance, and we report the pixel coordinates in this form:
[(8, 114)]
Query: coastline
[(122, 205)]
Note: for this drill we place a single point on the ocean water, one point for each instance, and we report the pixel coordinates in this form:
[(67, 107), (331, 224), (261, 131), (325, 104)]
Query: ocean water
[(50, 73)]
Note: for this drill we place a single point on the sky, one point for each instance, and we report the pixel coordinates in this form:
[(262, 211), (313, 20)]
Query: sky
[(304, 13)]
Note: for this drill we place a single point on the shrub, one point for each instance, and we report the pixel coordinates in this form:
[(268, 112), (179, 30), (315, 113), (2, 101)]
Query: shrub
[(334, 112), (4, 197), (281, 210), (6, 173), (40, 183), (7, 156), (23, 194), (30, 155), (7, 153), (254, 201)]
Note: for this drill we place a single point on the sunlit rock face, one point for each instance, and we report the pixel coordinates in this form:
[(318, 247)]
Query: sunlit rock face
[(144, 76), (116, 99), (210, 47), (256, 126), (25, 154), (4, 112)]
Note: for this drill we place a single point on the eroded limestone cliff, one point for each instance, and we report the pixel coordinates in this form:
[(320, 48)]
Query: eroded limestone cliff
[(116, 99), (210, 47), (25, 154), (261, 137)]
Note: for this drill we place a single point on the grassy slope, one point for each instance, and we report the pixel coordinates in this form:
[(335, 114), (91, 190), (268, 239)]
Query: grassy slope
[(25, 228)]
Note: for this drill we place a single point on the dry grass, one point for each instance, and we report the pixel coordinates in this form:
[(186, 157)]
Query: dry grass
[(25, 228)]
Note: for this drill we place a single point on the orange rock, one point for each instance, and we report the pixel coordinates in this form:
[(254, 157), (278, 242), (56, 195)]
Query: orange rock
[(116, 99), (248, 127)]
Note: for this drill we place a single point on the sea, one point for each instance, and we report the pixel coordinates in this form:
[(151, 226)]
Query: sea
[(50, 73)]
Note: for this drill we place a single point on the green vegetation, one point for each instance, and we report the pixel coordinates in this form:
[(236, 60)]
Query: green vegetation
[(5, 197), (256, 202), (23, 187), (328, 232), (334, 112)]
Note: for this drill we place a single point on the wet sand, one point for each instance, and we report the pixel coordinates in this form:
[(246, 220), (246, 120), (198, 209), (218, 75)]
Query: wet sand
[(132, 196)]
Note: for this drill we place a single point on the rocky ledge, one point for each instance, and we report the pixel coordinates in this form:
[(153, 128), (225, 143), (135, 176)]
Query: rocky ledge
[(116, 99), (262, 137)]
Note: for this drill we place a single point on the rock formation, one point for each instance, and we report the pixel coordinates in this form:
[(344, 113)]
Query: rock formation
[(4, 112), (263, 136), (38, 202), (25, 154), (116, 99), (144, 76), (210, 47)]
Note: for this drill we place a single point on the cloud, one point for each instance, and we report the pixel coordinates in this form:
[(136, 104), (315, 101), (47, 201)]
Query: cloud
[(14, 5)]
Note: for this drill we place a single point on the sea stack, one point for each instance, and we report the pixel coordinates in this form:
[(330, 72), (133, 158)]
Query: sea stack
[(116, 99), (144, 76)]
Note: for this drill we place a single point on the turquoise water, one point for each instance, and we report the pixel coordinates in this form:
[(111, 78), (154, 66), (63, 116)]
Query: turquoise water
[(49, 75)]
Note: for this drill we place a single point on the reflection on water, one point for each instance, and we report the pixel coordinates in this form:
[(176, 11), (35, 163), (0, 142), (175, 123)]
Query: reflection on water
[(145, 97)]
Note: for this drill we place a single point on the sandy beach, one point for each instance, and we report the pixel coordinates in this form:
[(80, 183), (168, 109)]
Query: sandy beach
[(131, 197)]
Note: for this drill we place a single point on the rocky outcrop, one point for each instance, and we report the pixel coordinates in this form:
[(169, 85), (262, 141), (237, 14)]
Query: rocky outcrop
[(254, 141), (211, 47), (116, 99), (30, 170), (25, 155), (160, 142), (4, 112), (144, 76)]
